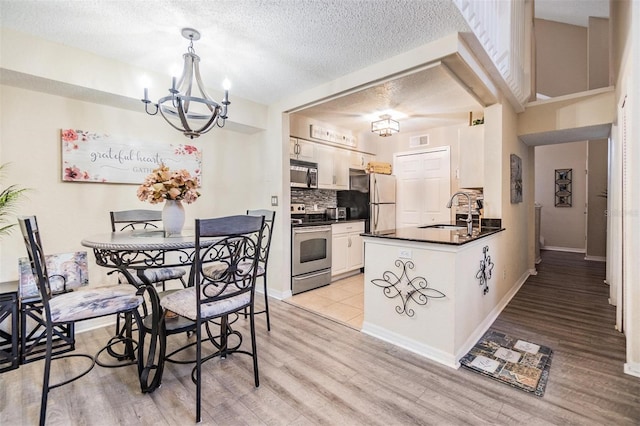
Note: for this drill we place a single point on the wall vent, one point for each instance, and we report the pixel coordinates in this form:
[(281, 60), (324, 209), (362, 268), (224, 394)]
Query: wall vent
[(422, 140)]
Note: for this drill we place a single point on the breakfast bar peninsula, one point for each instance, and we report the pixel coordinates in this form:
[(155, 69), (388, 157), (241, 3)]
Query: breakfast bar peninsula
[(428, 289)]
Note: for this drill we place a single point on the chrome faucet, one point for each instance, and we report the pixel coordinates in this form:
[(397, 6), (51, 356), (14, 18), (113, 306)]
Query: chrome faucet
[(469, 218)]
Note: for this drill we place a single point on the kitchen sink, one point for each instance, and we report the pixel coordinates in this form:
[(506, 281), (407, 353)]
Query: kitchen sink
[(449, 227)]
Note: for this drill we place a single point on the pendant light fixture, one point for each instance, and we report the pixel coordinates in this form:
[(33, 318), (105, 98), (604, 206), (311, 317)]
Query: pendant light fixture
[(386, 126), (185, 110)]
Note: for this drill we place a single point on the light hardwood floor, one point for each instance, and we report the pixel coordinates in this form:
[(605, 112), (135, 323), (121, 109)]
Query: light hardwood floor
[(315, 371)]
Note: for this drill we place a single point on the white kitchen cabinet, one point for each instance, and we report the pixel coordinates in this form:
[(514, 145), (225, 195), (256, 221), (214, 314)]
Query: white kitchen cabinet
[(359, 160), (324, 157), (333, 167), (347, 248), (300, 149), (471, 160), (341, 169)]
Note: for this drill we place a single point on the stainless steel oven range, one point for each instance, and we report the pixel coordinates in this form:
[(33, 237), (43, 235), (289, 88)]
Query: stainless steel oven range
[(310, 257)]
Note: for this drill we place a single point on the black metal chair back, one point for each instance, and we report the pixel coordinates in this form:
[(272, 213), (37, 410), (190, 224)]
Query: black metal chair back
[(263, 261), (135, 219), (234, 257), (267, 230), (33, 244)]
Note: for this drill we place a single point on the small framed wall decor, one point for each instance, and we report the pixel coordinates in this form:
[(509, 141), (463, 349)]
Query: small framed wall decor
[(563, 187), (516, 179)]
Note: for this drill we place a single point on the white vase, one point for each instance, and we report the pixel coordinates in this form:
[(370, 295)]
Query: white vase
[(172, 217)]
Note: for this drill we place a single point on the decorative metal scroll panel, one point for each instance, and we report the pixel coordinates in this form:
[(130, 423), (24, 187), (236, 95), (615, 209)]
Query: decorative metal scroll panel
[(408, 289), (486, 268)]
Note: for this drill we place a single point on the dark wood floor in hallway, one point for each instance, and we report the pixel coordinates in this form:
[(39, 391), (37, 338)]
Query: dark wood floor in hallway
[(314, 371)]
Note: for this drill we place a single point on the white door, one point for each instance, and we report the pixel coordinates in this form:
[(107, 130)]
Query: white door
[(423, 187)]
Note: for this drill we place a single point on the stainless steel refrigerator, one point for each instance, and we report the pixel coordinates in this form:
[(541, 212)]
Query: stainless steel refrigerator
[(371, 197), (382, 202)]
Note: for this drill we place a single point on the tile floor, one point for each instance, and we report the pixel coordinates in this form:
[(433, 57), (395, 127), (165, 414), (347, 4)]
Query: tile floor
[(342, 301)]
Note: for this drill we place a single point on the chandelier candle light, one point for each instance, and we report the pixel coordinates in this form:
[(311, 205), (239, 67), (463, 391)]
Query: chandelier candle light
[(172, 187), (192, 115)]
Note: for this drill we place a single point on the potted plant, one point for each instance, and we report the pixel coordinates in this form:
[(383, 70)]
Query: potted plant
[(9, 198)]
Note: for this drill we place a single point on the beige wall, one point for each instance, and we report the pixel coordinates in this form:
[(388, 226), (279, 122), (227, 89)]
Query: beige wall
[(597, 165), (69, 211), (598, 53), (561, 227), (561, 58)]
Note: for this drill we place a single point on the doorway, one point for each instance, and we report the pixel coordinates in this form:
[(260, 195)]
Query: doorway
[(423, 187)]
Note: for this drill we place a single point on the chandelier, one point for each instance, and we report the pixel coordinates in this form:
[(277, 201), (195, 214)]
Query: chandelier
[(386, 126), (185, 111)]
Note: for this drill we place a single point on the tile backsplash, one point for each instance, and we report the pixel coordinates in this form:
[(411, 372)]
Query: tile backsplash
[(322, 198)]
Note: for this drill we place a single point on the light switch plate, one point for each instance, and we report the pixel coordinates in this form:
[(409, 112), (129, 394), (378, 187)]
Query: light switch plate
[(274, 200)]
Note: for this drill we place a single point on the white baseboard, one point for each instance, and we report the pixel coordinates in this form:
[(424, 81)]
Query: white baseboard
[(493, 315), (280, 295), (596, 258), (567, 249), (411, 345), (632, 368), (533, 271)]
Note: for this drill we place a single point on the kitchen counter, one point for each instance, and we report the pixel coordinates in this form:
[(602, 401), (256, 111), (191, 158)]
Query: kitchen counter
[(435, 235), (432, 291)]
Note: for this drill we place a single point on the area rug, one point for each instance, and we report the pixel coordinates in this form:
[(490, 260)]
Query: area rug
[(518, 363)]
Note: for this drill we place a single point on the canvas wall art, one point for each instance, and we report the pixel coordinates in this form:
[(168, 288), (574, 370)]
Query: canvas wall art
[(103, 158)]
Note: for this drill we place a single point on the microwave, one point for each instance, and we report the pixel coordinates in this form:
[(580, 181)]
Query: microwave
[(304, 174)]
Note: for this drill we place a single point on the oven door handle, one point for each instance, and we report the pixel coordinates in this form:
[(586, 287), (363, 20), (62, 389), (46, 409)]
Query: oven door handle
[(317, 274), (308, 231)]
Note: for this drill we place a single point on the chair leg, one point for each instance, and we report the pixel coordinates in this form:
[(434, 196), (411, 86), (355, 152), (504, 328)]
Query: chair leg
[(198, 370), (266, 302), (254, 354), (47, 374), (224, 321)]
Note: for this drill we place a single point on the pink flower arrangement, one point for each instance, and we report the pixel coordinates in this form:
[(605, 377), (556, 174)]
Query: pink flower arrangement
[(164, 184)]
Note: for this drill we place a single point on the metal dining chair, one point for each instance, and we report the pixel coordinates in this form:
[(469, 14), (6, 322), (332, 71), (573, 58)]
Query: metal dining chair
[(146, 219), (73, 306), (263, 260), (229, 245)]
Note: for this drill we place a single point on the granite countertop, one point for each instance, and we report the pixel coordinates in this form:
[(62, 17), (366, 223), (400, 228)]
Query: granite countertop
[(454, 237)]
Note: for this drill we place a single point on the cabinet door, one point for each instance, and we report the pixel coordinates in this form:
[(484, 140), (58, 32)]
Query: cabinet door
[(471, 166), (339, 253), (306, 150), (359, 160), (324, 157), (356, 251), (293, 148), (341, 169)]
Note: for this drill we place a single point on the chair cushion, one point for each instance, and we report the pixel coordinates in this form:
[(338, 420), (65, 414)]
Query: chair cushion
[(93, 303), (183, 303), (163, 274)]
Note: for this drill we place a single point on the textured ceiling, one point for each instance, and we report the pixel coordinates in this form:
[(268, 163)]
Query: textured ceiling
[(271, 49), (428, 98)]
